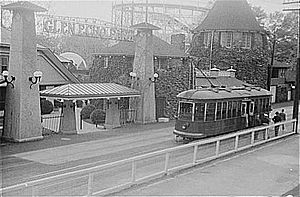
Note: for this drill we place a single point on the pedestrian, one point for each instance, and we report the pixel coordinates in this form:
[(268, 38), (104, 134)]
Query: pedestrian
[(265, 119), (283, 117), (276, 119)]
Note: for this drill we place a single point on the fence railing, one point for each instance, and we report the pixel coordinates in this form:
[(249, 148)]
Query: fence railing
[(51, 122), (168, 158)]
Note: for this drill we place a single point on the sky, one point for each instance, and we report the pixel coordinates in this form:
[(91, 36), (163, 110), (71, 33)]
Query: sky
[(102, 8)]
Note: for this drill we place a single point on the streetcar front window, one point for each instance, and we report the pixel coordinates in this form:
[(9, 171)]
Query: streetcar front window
[(185, 111)]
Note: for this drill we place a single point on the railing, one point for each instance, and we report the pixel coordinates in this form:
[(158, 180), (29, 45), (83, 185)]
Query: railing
[(168, 158), (127, 116), (51, 122)]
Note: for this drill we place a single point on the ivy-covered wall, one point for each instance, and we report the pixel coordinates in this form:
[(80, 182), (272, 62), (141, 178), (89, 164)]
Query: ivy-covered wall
[(251, 64), (174, 76)]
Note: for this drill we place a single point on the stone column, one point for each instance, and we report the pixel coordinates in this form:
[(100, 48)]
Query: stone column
[(22, 103), (68, 122), (112, 119), (144, 68)]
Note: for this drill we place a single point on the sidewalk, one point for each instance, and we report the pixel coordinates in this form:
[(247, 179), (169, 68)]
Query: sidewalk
[(271, 170)]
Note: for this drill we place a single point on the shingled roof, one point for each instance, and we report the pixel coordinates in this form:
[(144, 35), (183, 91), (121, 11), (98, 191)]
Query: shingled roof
[(161, 49), (230, 15)]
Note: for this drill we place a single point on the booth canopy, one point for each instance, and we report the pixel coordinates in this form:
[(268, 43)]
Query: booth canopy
[(89, 91)]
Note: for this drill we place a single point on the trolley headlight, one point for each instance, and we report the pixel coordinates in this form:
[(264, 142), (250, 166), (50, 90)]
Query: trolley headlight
[(185, 126)]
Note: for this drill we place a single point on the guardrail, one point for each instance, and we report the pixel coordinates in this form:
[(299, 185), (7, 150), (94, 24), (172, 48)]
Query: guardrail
[(89, 174)]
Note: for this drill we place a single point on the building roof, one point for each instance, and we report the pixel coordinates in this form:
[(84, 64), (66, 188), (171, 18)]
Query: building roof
[(223, 93), (24, 5), (160, 49), (230, 15), (277, 64), (51, 57), (90, 91), (145, 25)]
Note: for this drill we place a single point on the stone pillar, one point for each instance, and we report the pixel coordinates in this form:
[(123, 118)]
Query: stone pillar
[(112, 119), (22, 103), (144, 68), (68, 122)]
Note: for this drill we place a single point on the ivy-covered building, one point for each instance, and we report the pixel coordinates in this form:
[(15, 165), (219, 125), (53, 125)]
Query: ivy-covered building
[(114, 64), (231, 36)]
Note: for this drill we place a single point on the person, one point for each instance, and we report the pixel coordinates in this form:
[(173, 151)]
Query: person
[(283, 117), (265, 119), (276, 119)]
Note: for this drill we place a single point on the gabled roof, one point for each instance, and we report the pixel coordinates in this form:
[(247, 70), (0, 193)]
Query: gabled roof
[(230, 15), (24, 5), (51, 57), (160, 49), (90, 91)]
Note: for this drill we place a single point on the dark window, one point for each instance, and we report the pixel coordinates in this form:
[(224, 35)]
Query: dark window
[(256, 106), (185, 111), (229, 112), (224, 110), (243, 109), (4, 64), (199, 111), (210, 111), (239, 108), (234, 109), (219, 111)]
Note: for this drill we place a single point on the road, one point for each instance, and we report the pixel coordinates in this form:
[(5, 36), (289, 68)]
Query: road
[(39, 164)]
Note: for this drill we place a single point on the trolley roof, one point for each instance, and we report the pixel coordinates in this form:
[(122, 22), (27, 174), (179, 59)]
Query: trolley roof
[(223, 93)]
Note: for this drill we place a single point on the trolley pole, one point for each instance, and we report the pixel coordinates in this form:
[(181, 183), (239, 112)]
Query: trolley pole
[(297, 84)]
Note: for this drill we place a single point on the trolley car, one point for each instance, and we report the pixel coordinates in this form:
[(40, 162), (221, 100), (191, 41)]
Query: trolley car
[(209, 112)]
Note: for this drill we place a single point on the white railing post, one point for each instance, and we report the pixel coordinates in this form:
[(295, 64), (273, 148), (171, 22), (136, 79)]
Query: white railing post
[(195, 154), (34, 191), (266, 133), (167, 162), (90, 184), (236, 143), (252, 137), (133, 171), (217, 147)]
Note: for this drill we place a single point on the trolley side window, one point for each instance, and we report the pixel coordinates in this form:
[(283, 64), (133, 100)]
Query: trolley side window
[(224, 110), (185, 111), (234, 109), (239, 103), (210, 111), (199, 111), (229, 112), (219, 110)]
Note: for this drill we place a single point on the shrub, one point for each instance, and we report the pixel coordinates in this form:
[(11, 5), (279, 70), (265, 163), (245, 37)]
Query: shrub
[(79, 103), (98, 103), (86, 111), (98, 116), (46, 107)]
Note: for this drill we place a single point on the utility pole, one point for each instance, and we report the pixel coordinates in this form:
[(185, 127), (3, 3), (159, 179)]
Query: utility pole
[(294, 7)]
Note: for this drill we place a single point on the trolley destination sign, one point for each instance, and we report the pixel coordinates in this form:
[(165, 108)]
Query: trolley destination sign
[(72, 27)]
